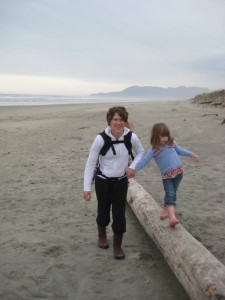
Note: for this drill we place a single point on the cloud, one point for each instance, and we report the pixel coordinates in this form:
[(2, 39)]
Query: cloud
[(114, 43), (43, 85)]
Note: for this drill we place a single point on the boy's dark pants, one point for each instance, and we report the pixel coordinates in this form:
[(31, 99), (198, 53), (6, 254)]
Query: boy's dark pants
[(111, 193)]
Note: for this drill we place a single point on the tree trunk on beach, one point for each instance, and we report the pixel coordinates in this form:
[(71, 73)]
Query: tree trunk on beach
[(201, 274)]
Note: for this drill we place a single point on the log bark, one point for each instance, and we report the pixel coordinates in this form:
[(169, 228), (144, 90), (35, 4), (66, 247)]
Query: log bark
[(201, 274)]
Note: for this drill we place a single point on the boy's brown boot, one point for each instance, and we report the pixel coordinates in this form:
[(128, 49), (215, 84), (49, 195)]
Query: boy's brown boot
[(102, 238), (117, 242)]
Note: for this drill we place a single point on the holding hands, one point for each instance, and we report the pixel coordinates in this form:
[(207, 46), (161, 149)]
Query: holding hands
[(130, 173)]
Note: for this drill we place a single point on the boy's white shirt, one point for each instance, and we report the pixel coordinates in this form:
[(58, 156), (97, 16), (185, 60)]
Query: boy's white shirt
[(111, 165)]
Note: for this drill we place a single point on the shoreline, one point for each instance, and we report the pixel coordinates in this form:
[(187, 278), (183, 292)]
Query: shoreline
[(84, 101)]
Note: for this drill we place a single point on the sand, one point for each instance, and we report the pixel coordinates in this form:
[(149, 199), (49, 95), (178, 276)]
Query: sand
[(48, 244)]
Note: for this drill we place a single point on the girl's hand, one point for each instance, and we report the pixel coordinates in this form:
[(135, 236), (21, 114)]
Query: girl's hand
[(87, 196), (195, 157)]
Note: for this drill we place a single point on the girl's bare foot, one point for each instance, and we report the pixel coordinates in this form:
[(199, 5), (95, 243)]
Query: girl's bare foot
[(164, 214), (174, 222)]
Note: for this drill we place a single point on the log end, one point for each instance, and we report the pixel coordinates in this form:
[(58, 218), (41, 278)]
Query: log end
[(213, 293)]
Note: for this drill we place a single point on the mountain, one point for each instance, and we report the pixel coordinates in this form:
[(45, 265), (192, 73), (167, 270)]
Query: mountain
[(154, 93)]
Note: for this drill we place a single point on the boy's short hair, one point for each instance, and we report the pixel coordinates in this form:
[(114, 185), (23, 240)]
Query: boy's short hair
[(121, 110)]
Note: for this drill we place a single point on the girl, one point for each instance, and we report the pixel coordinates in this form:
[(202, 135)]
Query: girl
[(165, 152)]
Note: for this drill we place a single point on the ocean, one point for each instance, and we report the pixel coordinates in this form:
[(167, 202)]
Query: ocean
[(22, 99), (18, 99)]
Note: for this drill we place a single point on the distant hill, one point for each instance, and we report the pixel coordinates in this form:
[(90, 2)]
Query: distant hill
[(216, 98), (154, 93)]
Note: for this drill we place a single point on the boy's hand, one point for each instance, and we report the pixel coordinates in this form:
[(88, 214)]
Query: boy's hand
[(87, 196), (130, 173)]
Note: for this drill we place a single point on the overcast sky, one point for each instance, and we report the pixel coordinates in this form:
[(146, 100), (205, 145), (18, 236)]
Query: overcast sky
[(79, 47)]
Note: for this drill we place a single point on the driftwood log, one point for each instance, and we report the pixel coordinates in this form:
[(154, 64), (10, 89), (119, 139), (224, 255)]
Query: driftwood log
[(210, 115), (201, 274)]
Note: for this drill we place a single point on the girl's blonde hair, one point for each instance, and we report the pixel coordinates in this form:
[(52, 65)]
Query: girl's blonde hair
[(130, 125), (160, 130)]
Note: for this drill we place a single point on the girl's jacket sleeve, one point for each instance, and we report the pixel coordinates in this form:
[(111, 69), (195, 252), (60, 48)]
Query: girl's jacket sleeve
[(181, 151), (145, 160)]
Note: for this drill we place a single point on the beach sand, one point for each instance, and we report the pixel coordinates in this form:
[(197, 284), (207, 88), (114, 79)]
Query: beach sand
[(48, 245)]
